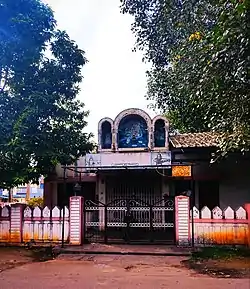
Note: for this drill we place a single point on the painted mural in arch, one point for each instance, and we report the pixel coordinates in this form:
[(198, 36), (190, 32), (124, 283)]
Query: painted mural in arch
[(132, 132)]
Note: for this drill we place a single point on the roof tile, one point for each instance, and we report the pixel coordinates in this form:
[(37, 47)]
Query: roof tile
[(200, 139)]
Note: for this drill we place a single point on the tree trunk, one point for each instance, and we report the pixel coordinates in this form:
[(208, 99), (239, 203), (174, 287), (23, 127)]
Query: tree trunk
[(10, 195), (28, 192)]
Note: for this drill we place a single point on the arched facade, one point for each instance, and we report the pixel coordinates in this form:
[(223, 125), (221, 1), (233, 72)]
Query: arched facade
[(133, 130)]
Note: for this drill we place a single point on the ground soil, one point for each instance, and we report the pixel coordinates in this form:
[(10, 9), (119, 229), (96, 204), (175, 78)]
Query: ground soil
[(31, 269), (11, 257)]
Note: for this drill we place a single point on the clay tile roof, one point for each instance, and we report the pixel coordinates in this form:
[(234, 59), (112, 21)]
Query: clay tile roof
[(190, 140)]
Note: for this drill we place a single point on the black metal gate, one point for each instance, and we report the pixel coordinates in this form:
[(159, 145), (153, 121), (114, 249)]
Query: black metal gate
[(129, 221)]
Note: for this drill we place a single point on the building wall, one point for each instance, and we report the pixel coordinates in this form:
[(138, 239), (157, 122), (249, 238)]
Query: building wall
[(74, 175), (233, 178), (50, 194), (234, 189), (234, 186), (234, 192)]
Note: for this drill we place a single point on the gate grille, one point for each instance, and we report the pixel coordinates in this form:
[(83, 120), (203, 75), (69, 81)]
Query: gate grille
[(130, 220), (140, 186)]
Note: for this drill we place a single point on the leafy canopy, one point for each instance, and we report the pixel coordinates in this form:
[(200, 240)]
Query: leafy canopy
[(41, 120), (200, 64)]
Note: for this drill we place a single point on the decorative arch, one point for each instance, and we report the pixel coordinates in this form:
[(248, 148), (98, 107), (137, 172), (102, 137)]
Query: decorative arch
[(128, 111), (133, 129), (105, 129), (160, 131)]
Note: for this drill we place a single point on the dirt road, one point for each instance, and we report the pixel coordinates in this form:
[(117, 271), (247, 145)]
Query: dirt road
[(112, 272)]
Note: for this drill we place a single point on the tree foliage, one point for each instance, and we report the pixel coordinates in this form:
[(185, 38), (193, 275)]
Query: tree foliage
[(41, 120), (200, 64)]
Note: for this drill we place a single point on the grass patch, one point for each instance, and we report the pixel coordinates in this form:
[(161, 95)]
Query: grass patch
[(216, 253), (222, 262)]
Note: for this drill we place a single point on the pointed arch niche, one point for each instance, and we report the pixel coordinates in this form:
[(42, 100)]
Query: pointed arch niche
[(105, 129), (160, 128)]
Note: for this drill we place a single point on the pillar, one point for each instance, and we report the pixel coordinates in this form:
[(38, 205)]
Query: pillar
[(165, 186), (182, 220), (165, 192), (76, 219), (102, 198), (16, 223)]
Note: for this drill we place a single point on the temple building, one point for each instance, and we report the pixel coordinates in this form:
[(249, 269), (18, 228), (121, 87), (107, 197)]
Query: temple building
[(138, 170)]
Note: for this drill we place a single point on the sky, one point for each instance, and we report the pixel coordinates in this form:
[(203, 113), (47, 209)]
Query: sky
[(114, 78)]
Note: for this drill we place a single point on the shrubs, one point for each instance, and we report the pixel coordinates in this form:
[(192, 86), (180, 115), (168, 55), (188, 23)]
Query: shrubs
[(34, 202)]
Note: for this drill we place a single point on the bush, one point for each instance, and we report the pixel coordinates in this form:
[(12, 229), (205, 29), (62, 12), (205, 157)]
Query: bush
[(34, 202)]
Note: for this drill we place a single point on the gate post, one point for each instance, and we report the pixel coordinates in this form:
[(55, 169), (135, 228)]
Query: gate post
[(182, 220), (16, 223), (76, 219)]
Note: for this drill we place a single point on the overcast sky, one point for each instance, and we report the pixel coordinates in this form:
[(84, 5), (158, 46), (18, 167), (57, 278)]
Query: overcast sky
[(114, 78)]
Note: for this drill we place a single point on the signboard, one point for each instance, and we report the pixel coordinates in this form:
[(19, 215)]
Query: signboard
[(19, 192), (161, 159), (181, 171), (36, 192), (4, 194), (131, 160)]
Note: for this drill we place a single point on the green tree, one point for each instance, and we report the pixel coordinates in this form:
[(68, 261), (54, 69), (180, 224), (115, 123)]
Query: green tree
[(199, 51), (41, 120)]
